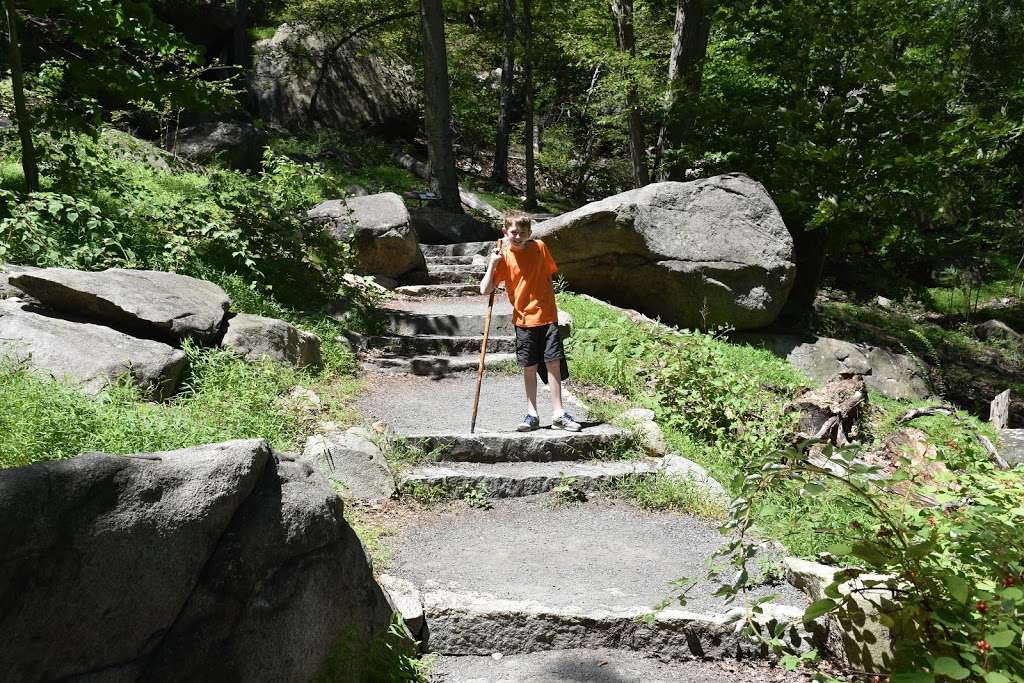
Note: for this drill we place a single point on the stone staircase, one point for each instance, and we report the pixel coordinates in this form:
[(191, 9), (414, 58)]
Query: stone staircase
[(522, 575)]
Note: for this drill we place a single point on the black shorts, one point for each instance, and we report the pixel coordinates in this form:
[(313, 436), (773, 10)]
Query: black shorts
[(537, 344)]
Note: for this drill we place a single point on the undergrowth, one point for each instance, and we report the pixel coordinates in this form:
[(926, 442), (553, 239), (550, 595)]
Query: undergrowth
[(722, 406)]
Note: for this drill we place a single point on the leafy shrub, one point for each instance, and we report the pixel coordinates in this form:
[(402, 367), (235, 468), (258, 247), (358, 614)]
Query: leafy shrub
[(106, 209), (955, 570)]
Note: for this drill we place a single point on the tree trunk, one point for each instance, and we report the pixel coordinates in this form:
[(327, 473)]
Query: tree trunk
[(623, 12), (689, 47), (28, 151), (499, 172), (531, 171), (443, 179), (240, 42)]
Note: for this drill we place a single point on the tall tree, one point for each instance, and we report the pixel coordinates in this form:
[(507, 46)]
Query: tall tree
[(623, 12), (28, 152), (240, 35), (123, 58), (443, 178), (689, 48), (499, 172), (531, 171)]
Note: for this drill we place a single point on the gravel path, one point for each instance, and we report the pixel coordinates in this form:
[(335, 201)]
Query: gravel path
[(601, 554), (601, 666)]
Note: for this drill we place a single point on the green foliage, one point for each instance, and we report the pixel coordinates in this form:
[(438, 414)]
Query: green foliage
[(224, 398), (567, 492), (478, 496), (389, 656), (87, 56), (727, 398), (108, 209), (955, 570), (892, 125)]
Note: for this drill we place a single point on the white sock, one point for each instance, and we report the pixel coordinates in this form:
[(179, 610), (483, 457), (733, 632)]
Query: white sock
[(532, 412), (555, 414)]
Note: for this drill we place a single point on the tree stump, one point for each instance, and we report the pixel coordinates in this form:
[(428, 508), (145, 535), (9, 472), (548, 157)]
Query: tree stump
[(999, 411), (832, 413)]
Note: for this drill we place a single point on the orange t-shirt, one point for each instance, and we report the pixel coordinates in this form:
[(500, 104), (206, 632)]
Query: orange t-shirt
[(527, 277)]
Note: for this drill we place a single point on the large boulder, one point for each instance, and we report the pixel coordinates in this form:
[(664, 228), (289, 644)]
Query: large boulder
[(360, 87), (712, 251), (236, 145), (434, 225), (218, 562), (254, 337), (87, 356), (379, 229), (891, 374), (149, 303)]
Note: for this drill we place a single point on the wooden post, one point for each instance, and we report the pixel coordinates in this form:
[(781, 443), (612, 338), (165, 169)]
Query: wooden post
[(999, 411)]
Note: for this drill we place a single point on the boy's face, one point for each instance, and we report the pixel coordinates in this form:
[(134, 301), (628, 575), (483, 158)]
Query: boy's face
[(518, 235)]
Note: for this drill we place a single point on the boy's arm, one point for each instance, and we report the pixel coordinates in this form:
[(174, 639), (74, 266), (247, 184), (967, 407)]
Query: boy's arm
[(489, 282)]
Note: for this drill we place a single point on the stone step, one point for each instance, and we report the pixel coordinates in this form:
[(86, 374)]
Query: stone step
[(440, 345), (436, 366), (529, 576), (511, 480), (463, 316), (451, 260), (459, 249), (476, 624), (603, 665), (456, 317), (408, 323), (542, 445), (439, 411), (449, 290), (445, 275)]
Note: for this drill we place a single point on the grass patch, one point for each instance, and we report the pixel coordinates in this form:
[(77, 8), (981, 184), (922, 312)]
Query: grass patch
[(372, 532), (403, 454), (224, 398), (666, 492)]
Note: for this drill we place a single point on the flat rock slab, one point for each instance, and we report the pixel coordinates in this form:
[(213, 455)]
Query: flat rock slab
[(1011, 446), (600, 666), (87, 356), (428, 405), (149, 303), (508, 480), (601, 555)]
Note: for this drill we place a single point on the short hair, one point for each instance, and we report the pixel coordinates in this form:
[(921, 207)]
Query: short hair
[(518, 218)]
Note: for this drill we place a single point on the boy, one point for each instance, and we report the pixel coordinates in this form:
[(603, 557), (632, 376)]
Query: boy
[(526, 268)]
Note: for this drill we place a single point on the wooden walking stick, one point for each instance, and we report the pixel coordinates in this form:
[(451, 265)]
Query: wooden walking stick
[(483, 354)]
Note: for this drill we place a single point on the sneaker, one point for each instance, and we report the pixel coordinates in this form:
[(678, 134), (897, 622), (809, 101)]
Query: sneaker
[(529, 423), (566, 422)]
